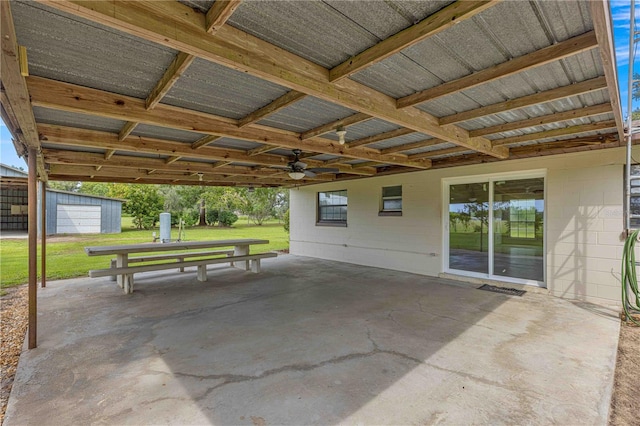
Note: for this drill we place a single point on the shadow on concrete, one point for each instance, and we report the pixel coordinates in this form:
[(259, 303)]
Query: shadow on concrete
[(309, 341)]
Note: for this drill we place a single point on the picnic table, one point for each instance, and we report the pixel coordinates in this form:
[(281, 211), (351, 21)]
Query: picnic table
[(237, 254)]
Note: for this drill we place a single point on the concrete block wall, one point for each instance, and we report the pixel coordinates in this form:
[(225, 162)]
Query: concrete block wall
[(584, 222)]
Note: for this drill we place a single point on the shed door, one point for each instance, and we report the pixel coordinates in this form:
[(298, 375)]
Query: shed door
[(78, 219)]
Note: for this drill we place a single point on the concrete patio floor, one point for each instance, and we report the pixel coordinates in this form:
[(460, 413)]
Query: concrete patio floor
[(309, 341)]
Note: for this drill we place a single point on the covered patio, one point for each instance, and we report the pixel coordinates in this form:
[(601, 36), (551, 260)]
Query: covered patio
[(309, 341)]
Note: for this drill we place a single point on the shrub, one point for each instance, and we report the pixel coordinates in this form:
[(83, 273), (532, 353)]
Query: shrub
[(227, 218), (286, 221), (212, 216)]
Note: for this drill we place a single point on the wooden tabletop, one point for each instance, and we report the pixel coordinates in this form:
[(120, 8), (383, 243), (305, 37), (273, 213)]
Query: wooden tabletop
[(153, 247)]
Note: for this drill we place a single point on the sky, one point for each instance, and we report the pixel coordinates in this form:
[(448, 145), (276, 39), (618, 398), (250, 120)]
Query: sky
[(621, 21)]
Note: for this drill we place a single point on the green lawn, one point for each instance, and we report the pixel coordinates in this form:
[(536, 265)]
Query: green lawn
[(66, 257)]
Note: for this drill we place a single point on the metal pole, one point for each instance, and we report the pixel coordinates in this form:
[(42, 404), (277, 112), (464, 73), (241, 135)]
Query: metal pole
[(43, 235), (32, 192), (632, 35)]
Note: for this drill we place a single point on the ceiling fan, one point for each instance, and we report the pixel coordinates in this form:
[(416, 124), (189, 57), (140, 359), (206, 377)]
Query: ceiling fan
[(298, 170)]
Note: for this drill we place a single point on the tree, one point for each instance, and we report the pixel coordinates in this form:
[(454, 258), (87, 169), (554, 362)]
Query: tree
[(144, 203), (635, 87), (95, 188), (65, 186)]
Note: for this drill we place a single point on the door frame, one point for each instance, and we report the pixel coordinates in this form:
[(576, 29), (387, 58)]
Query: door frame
[(490, 179)]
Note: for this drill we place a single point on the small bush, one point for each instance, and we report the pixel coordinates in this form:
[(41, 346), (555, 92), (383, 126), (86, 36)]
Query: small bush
[(212, 216), (227, 218)]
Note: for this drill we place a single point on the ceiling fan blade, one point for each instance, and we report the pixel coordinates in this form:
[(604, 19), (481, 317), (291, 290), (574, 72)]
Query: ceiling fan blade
[(309, 173), (300, 165)]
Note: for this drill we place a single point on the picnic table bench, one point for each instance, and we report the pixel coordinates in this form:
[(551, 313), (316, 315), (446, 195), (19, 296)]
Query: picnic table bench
[(238, 257)]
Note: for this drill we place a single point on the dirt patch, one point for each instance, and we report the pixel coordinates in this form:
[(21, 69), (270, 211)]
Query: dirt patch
[(14, 314), (625, 403)]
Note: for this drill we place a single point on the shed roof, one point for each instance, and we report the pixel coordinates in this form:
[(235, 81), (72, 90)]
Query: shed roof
[(220, 93)]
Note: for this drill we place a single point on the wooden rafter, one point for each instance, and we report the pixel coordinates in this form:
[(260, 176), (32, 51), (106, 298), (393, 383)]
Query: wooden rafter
[(176, 26), (175, 70), (441, 20), (205, 140), (109, 152), (332, 126), (172, 159), (59, 135), (15, 101), (126, 130), (565, 131), (283, 101), (379, 137), (563, 92), (439, 152), (219, 13), (261, 150), (538, 58), (601, 16), (72, 98), (545, 119), (412, 145)]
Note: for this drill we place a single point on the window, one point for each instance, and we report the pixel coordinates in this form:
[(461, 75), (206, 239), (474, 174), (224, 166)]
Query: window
[(332, 208), (522, 218), (391, 201)]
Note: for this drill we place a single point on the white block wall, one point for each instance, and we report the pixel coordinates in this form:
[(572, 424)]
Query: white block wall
[(584, 222)]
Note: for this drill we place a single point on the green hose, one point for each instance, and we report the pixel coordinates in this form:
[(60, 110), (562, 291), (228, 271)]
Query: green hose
[(630, 279)]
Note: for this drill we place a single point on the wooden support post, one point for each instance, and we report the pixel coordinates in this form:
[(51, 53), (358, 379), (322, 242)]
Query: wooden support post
[(32, 191), (43, 235)]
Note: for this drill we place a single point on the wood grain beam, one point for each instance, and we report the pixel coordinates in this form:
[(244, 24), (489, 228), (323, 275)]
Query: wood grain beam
[(173, 72), (283, 101), (565, 131), (563, 92), (379, 137), (441, 20), (16, 102), (545, 119), (172, 159), (205, 140), (179, 27), (60, 135), (538, 58), (261, 150), (439, 152), (109, 153), (72, 98), (601, 16), (332, 126), (126, 130), (219, 13), (412, 145)]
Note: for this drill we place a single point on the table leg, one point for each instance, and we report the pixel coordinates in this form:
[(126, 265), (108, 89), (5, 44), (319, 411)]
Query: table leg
[(122, 261), (242, 250)]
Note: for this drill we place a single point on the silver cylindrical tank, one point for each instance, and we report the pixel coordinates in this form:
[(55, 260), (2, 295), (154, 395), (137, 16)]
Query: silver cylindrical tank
[(165, 227)]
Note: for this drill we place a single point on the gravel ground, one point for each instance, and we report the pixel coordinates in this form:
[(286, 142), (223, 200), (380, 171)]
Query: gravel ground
[(625, 403)]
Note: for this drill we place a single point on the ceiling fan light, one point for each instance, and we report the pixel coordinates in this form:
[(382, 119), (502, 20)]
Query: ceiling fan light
[(296, 175)]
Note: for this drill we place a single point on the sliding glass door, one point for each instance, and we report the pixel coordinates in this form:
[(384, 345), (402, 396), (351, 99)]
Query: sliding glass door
[(495, 227)]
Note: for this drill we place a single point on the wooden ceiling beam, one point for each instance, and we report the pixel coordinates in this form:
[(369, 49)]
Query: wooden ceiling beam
[(563, 92), (60, 135), (172, 159), (439, 152), (140, 174), (109, 153), (173, 72), (538, 58), (565, 131), (601, 17), (380, 137), (332, 126), (177, 26), (441, 20), (283, 101), (203, 141), (15, 101), (545, 119), (60, 156), (261, 150), (412, 145), (72, 98), (126, 130), (219, 13)]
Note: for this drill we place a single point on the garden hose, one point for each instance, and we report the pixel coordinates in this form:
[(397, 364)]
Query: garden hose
[(630, 279)]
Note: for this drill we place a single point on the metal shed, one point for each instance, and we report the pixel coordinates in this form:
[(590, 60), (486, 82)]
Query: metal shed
[(66, 212)]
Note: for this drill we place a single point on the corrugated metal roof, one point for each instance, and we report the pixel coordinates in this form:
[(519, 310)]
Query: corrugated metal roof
[(167, 133), (219, 90), (71, 119), (364, 129), (234, 144), (306, 114), (73, 50), (400, 140)]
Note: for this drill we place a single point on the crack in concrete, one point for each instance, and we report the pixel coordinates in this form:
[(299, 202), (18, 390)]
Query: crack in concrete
[(239, 378)]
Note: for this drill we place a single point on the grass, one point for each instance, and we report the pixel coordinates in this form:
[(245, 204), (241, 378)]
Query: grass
[(66, 257)]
